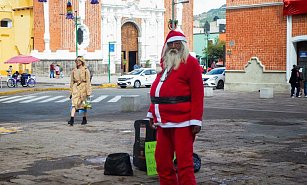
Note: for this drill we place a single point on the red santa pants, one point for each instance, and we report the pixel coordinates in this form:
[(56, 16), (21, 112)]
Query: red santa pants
[(181, 141)]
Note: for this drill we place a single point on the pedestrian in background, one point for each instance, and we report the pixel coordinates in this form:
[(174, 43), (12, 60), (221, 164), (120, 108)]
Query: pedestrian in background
[(57, 71), (301, 80), (52, 68), (61, 71), (213, 65), (9, 72), (176, 110), (80, 90), (91, 69), (304, 73), (295, 82), (136, 66)]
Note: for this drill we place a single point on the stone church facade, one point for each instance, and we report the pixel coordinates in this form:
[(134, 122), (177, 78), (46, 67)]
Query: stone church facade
[(112, 33), (262, 44)]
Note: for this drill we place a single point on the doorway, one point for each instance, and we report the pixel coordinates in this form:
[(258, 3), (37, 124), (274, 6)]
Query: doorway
[(129, 36), (132, 59)]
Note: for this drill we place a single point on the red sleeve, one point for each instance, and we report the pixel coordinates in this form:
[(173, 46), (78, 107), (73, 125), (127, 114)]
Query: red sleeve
[(197, 89)]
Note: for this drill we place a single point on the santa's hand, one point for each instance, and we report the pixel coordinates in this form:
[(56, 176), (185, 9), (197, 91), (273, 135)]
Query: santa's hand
[(196, 129), (151, 124)]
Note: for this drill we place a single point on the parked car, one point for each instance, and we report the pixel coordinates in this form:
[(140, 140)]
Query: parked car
[(137, 78), (215, 78)]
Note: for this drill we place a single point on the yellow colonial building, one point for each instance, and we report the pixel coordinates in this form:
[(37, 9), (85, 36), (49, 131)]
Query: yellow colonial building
[(16, 32)]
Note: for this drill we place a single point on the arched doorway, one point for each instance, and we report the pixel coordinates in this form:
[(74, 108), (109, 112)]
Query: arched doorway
[(129, 46)]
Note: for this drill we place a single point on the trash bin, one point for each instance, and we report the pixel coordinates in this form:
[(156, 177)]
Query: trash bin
[(23, 78)]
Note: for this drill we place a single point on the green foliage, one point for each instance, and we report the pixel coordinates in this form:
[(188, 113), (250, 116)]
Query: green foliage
[(215, 51), (147, 63), (124, 62)]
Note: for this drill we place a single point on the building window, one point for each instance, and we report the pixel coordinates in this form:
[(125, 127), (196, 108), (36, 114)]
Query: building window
[(6, 23)]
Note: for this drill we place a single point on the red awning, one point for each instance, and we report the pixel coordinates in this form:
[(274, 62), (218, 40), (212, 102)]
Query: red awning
[(295, 7)]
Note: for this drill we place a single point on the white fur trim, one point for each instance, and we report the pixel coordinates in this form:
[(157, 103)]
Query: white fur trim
[(149, 115), (176, 38), (181, 124)]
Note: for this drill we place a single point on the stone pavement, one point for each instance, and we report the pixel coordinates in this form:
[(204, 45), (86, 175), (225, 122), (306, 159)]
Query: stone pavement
[(244, 140)]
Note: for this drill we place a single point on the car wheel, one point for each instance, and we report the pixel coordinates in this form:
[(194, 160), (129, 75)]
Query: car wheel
[(137, 84), (220, 85)]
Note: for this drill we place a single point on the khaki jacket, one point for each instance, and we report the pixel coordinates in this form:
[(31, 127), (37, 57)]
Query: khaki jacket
[(80, 86)]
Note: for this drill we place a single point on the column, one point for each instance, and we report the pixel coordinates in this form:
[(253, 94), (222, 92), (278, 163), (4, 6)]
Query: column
[(81, 11), (289, 48), (46, 31)]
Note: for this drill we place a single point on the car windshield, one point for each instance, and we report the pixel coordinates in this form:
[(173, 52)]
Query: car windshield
[(136, 72), (216, 71)]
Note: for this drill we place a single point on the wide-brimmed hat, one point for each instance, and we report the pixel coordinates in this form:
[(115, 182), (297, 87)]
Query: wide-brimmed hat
[(81, 58)]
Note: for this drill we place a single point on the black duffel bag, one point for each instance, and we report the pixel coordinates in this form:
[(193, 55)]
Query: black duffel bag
[(118, 164)]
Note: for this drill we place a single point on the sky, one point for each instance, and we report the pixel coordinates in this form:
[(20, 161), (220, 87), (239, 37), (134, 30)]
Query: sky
[(201, 6)]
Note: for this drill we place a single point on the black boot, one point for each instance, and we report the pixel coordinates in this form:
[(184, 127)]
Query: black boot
[(71, 121), (84, 121)]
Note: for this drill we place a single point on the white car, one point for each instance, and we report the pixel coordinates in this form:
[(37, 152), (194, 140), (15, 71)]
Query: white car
[(215, 78), (137, 78)]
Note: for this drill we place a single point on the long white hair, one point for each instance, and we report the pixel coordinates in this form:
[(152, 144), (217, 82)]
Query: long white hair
[(172, 58)]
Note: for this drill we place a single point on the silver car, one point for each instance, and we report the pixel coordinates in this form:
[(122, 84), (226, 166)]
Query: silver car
[(137, 78), (215, 78)]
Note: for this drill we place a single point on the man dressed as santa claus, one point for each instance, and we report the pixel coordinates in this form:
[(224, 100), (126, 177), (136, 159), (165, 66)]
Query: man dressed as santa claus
[(176, 110)]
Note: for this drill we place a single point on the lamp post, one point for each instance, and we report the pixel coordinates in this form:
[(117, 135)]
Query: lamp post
[(207, 33), (69, 15), (173, 13), (76, 27)]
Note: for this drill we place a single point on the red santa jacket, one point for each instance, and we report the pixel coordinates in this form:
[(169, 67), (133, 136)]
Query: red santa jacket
[(183, 82)]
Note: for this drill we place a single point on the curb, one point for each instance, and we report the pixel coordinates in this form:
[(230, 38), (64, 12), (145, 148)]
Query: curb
[(53, 89)]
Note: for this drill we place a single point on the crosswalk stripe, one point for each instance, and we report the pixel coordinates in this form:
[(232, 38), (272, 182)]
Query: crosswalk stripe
[(19, 99), (115, 99), (55, 99), (99, 98), (61, 101), (34, 99), (9, 98), (51, 99)]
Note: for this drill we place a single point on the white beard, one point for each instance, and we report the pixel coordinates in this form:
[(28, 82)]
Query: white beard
[(172, 59)]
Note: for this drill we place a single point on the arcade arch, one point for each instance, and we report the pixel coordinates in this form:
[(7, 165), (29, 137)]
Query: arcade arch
[(129, 50)]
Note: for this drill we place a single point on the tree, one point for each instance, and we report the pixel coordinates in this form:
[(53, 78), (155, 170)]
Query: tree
[(215, 51)]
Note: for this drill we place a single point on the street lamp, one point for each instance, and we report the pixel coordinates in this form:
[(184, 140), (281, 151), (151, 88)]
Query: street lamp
[(207, 33), (70, 15), (92, 1), (173, 13)]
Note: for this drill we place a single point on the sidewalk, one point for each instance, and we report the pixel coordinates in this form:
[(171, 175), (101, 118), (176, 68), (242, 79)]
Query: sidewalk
[(245, 140), (46, 83)]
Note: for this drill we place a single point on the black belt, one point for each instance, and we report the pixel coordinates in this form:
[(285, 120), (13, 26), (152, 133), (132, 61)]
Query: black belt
[(170, 100)]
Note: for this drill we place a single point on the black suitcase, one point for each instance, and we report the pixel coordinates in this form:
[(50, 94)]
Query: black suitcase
[(143, 133)]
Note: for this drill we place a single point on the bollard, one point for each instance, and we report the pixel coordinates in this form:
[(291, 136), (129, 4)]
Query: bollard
[(130, 103), (266, 92), (208, 91)]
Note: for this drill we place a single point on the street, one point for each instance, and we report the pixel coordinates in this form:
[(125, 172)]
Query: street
[(55, 105), (244, 140)]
